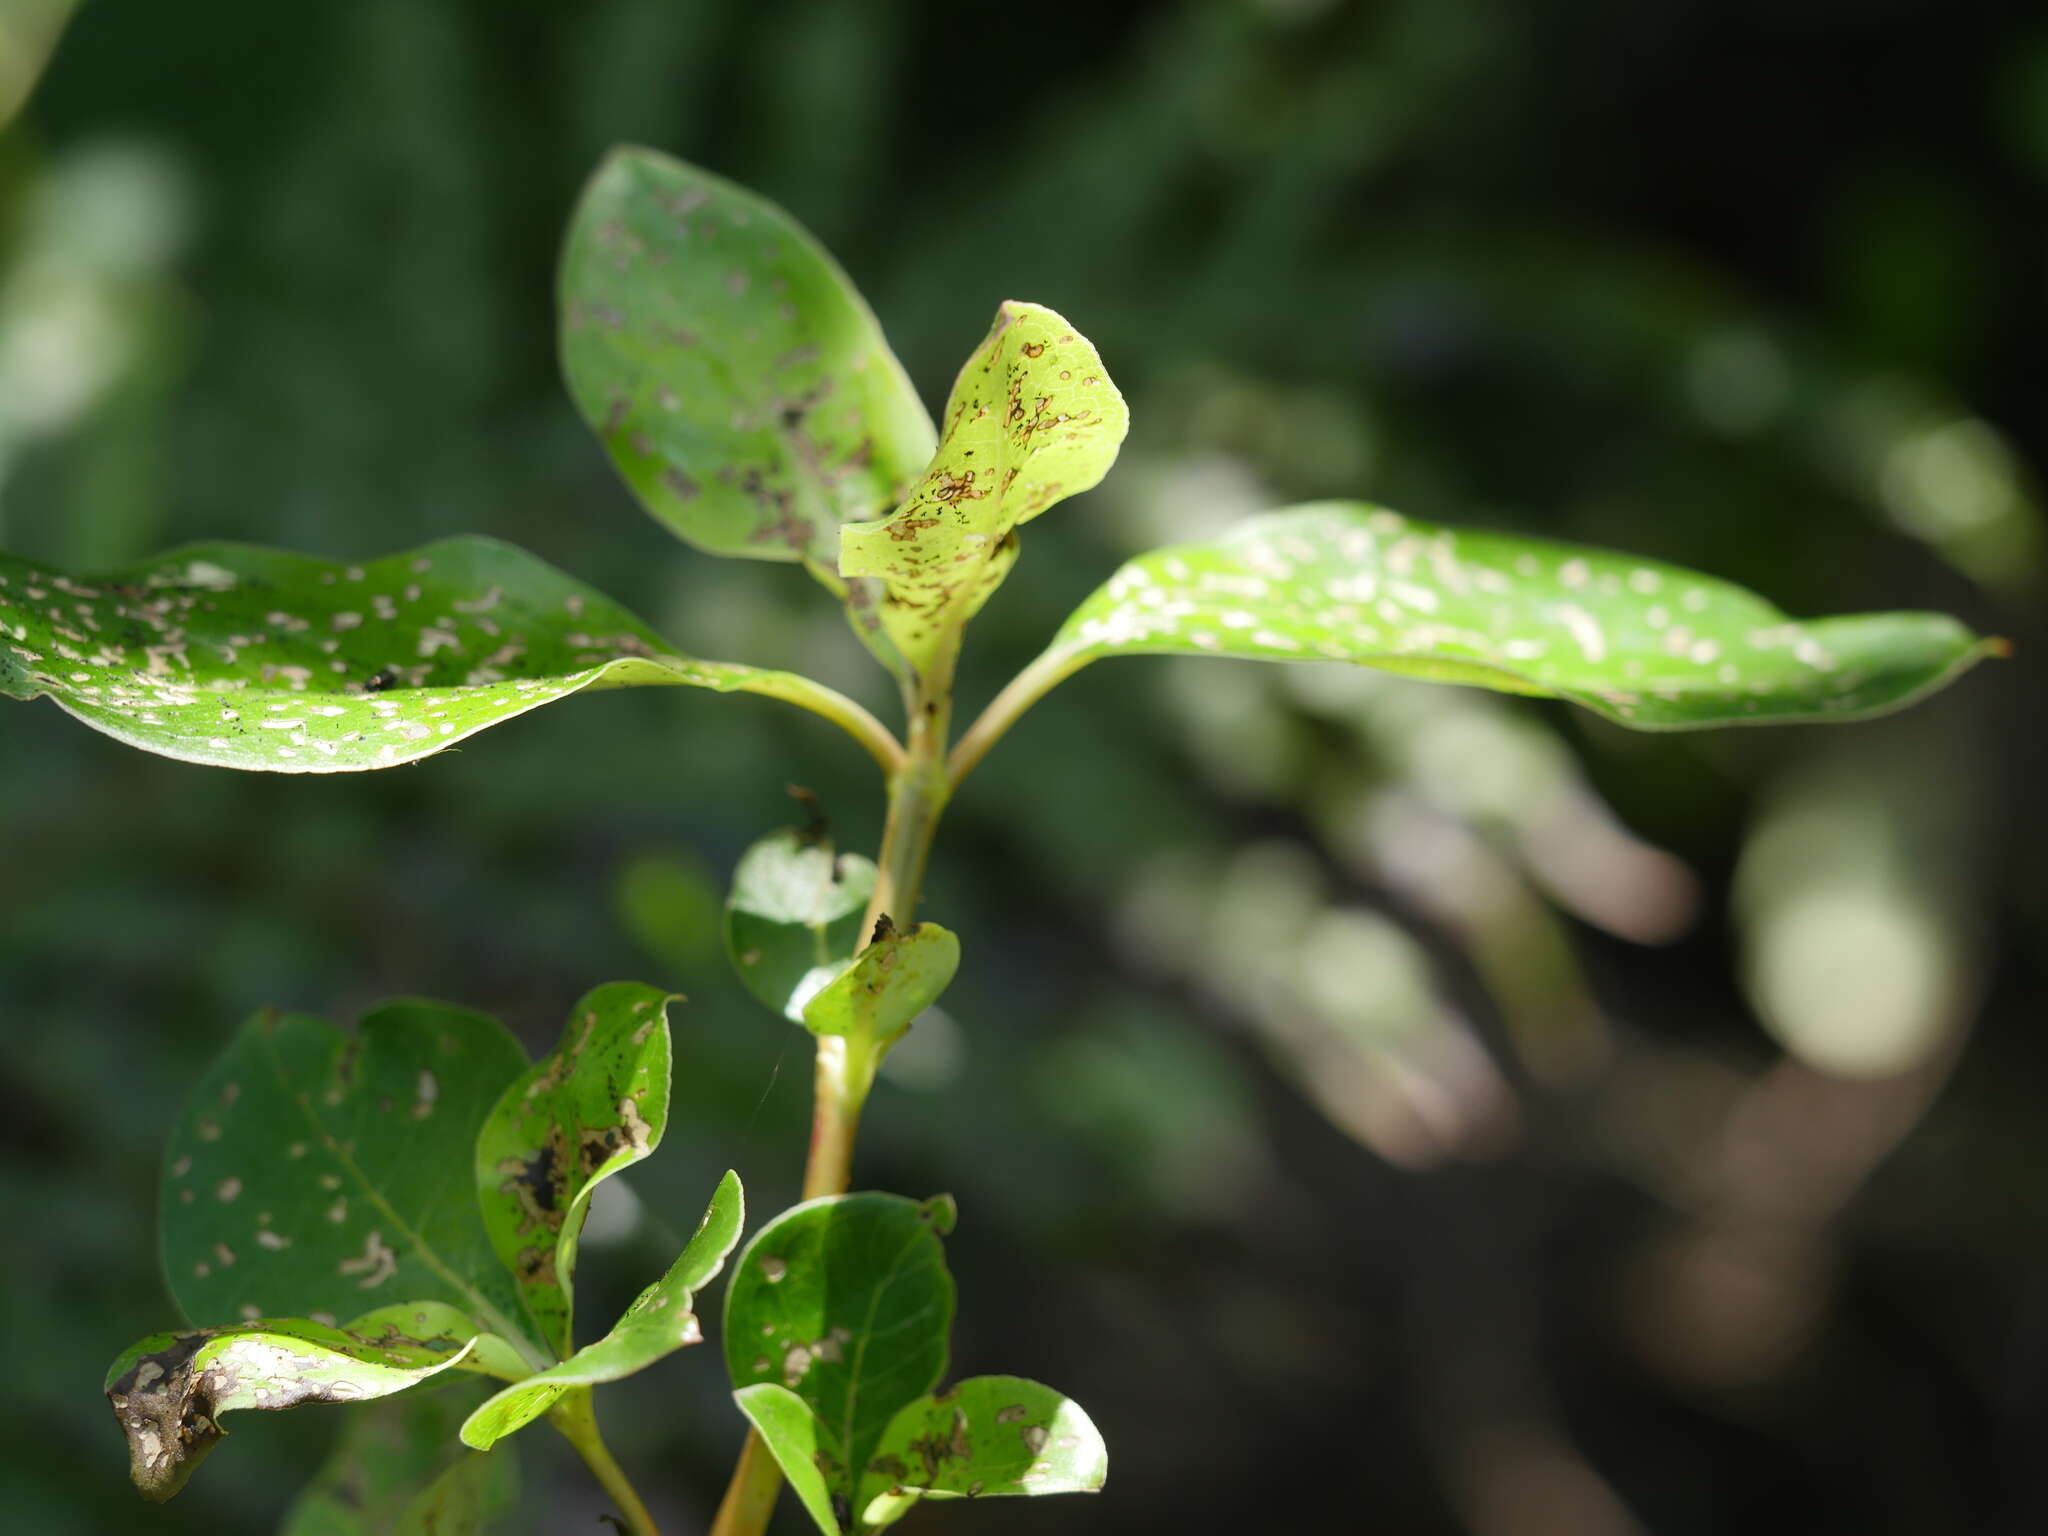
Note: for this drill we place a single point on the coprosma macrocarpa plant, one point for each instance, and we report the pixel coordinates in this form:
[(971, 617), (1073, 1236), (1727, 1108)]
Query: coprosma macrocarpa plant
[(349, 1214)]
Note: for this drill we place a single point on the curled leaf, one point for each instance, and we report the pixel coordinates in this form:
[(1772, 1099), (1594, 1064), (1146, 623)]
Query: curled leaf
[(889, 984), (794, 917)]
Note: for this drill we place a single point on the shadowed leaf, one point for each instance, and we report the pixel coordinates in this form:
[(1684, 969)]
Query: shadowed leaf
[(1645, 644), (739, 382), (314, 1172), (794, 917), (242, 657), (398, 1467), (981, 1438), (596, 1104), (658, 1322), (894, 980), (169, 1390), (1033, 419)]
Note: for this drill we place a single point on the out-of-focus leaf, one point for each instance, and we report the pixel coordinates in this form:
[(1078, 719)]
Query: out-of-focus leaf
[(1033, 419), (253, 658), (314, 1171), (658, 1322), (1647, 645), (169, 1390), (846, 1302), (793, 919), (29, 30), (981, 1438), (894, 979), (598, 1103), (811, 1459), (398, 1467), (738, 380)]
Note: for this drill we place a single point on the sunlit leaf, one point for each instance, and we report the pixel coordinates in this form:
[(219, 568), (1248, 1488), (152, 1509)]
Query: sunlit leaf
[(981, 1438), (812, 1461), (846, 1302), (253, 658), (658, 1322), (1033, 419), (315, 1172), (169, 1390), (738, 380), (893, 981), (397, 1467), (598, 1103), (1645, 644), (794, 917)]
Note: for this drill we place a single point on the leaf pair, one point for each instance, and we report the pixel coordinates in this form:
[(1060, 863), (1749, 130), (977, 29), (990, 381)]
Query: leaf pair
[(420, 1169), (837, 1327)]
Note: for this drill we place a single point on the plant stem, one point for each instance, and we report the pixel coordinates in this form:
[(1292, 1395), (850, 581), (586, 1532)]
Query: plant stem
[(843, 712), (576, 1418), (1051, 668), (918, 790)]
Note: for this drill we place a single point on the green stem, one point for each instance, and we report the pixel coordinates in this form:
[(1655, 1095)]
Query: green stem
[(1052, 668), (577, 1420), (918, 790)]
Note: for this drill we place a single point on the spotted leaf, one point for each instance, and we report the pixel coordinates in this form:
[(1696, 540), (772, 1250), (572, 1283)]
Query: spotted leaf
[(598, 1103), (659, 1322), (982, 1438), (1645, 644), (397, 1467), (874, 1000), (1033, 419), (169, 1390), (847, 1303), (793, 919), (242, 657), (738, 380), (315, 1173)]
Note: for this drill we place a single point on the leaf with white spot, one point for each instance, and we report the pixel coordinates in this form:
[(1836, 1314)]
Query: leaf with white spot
[(1647, 645), (985, 1437), (1033, 419), (314, 1173), (598, 1103), (397, 1467), (169, 1390), (658, 1322), (793, 919), (241, 657), (874, 1000), (845, 1301), (739, 382)]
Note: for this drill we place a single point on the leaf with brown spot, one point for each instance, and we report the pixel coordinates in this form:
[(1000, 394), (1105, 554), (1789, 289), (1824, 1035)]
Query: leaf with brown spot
[(596, 1104)]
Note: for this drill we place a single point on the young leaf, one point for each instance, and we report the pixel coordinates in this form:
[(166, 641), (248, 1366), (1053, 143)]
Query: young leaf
[(740, 384), (597, 1104), (846, 1302), (1647, 645), (894, 980), (398, 1467), (242, 657), (1033, 419), (811, 1459), (981, 1438), (313, 1172), (169, 1390), (657, 1323), (794, 917)]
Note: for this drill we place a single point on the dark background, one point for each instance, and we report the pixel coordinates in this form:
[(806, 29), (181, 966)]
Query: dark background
[(1385, 1107)]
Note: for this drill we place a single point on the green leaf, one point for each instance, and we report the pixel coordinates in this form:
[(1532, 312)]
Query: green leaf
[(812, 1461), (793, 920), (398, 1467), (169, 1390), (597, 1104), (846, 1302), (659, 1322), (893, 981), (983, 1437), (242, 657), (1648, 645), (1033, 419), (315, 1172), (740, 384)]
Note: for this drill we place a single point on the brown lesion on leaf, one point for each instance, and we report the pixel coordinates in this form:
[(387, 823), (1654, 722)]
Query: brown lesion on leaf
[(953, 1443), (165, 1408), (536, 1184)]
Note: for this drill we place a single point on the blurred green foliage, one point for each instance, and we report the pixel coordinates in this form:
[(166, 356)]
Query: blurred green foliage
[(1338, 1063)]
